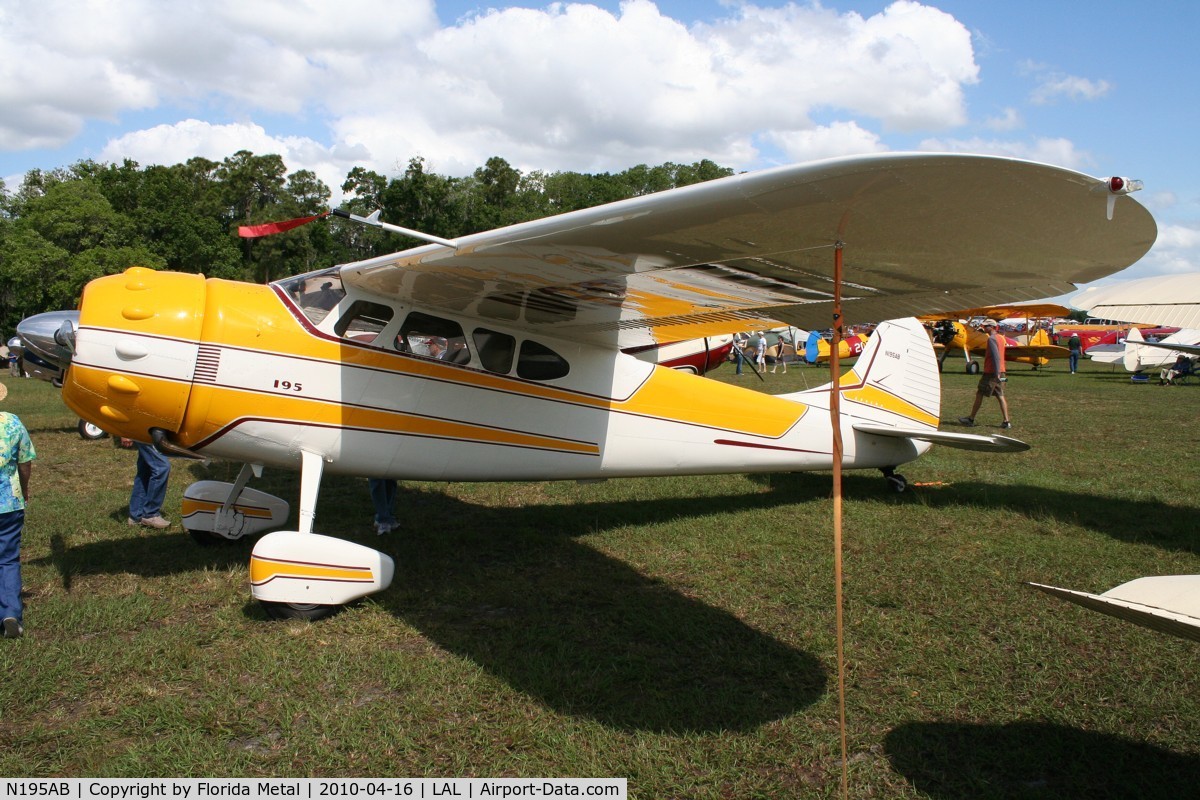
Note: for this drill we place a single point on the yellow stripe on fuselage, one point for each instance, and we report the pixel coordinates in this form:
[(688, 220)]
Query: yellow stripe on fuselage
[(194, 506), (878, 398), (262, 323), (228, 405), (264, 570)]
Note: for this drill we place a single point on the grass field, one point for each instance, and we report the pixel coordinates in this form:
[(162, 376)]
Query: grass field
[(678, 632)]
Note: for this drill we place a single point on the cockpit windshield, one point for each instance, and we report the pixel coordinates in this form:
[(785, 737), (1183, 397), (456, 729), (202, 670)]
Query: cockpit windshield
[(316, 293)]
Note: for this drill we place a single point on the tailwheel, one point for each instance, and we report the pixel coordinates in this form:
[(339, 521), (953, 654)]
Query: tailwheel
[(306, 611), (895, 481)]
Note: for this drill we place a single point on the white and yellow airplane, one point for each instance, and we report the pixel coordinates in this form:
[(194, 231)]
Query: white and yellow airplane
[(498, 356)]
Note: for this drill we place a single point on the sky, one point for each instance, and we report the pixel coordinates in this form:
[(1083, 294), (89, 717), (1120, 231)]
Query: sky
[(1105, 87)]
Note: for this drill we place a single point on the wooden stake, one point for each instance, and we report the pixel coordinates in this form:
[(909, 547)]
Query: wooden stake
[(835, 414)]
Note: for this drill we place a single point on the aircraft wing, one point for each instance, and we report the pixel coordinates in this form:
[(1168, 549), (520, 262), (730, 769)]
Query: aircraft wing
[(1035, 351), (1033, 310), (1167, 603), (922, 233), (1189, 349), (990, 442)]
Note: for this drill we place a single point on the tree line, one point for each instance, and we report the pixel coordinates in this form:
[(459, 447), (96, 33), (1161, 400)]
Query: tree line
[(64, 227)]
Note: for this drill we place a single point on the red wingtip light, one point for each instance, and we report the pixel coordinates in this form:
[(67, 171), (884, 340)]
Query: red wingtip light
[(1117, 185)]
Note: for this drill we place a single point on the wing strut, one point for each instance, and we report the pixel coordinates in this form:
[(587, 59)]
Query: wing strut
[(373, 220), (835, 414)]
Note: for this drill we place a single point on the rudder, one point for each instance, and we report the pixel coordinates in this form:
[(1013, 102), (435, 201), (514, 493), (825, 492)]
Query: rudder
[(895, 380)]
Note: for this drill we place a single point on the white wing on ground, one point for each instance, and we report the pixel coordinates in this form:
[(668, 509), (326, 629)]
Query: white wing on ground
[(1166, 603)]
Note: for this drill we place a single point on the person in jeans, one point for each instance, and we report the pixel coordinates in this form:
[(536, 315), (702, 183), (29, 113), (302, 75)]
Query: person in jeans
[(16, 464), (149, 487)]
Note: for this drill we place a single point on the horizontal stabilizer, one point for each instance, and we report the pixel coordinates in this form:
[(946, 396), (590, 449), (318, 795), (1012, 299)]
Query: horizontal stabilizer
[(1166, 603), (1177, 347), (990, 442)]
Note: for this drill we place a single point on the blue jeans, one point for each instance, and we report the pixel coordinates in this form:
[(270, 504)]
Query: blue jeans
[(150, 485), (1074, 360), (11, 523), (383, 497)]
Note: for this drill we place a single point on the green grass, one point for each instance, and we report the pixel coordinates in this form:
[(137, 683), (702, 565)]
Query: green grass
[(678, 631)]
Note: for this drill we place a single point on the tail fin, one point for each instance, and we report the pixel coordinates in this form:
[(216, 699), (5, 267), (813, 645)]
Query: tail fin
[(894, 382), (1133, 353), (1040, 338)]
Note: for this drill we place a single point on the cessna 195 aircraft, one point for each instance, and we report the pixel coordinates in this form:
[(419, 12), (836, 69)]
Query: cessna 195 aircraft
[(498, 355)]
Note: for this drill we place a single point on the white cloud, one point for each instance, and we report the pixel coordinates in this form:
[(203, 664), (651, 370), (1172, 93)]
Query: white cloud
[(569, 86), (1008, 120), (1053, 87), (838, 139)]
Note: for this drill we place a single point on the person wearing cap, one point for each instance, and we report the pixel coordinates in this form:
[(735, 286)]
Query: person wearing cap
[(437, 348), (16, 464), (991, 382)]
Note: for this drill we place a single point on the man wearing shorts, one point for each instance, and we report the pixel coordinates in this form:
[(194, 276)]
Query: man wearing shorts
[(991, 382)]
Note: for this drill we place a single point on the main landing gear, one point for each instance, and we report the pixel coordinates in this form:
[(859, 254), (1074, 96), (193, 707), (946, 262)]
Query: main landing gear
[(895, 481), (293, 574)]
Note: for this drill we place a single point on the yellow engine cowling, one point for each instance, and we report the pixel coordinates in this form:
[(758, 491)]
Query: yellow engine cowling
[(135, 351)]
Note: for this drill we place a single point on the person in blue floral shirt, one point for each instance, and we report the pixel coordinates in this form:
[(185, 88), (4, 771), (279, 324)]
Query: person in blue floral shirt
[(16, 457)]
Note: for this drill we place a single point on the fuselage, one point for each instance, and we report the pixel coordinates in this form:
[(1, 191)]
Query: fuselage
[(262, 374)]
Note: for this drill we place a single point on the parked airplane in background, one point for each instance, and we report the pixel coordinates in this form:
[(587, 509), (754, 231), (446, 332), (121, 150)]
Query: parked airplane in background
[(951, 334), (498, 356), (817, 348), (697, 356), (1139, 354), (1100, 338)]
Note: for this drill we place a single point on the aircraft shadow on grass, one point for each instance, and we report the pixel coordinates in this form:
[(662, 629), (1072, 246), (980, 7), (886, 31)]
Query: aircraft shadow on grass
[(957, 761), (1163, 525), (511, 590)]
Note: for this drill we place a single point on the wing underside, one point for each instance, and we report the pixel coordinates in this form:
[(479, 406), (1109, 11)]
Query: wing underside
[(920, 233)]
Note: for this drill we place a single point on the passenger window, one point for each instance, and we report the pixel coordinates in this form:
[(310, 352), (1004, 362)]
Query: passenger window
[(539, 363), (363, 321), (433, 337), (496, 350)]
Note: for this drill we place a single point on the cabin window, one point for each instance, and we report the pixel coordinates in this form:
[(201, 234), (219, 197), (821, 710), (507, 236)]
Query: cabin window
[(316, 294), (363, 321), (433, 337), (496, 350), (539, 363)]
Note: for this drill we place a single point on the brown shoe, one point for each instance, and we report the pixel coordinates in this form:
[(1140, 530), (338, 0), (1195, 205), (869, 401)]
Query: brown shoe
[(156, 522)]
